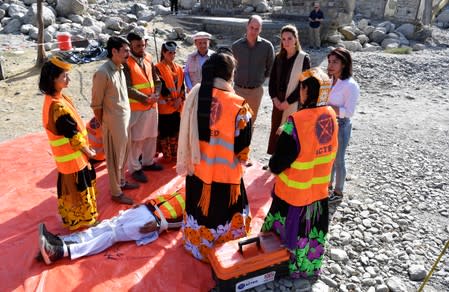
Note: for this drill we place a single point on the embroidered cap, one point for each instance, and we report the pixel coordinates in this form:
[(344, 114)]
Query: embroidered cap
[(60, 63), (201, 35), (323, 79), (170, 46)]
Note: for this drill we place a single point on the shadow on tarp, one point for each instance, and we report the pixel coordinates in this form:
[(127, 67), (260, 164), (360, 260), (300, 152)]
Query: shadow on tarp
[(28, 192)]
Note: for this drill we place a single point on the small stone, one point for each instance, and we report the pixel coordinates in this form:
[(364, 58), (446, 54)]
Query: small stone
[(417, 272), (338, 255), (382, 288)]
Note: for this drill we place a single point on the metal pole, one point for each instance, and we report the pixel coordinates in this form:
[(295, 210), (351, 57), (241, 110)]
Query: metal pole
[(433, 267)]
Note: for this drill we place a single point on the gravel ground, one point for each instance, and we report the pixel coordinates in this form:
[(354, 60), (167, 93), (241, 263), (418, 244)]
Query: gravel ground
[(394, 219)]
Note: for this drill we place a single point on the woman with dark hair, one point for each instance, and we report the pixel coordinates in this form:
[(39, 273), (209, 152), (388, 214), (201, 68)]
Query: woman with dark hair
[(67, 135), (283, 86), (171, 100), (213, 142), (343, 98), (302, 163)]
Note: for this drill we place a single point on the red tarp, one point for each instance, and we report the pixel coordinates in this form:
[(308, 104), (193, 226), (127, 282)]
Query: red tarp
[(28, 195)]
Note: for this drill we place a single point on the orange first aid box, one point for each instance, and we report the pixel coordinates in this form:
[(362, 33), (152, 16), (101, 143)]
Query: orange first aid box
[(248, 262)]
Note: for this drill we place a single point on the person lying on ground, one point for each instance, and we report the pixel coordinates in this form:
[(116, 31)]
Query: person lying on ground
[(142, 223)]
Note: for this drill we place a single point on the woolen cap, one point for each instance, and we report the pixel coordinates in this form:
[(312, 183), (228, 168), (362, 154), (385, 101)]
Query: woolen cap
[(201, 35)]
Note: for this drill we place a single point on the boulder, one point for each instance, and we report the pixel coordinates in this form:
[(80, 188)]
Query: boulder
[(137, 7), (389, 26), (418, 47), (146, 15), (66, 7), (47, 13), (369, 29), (422, 34), (363, 39), (417, 272), (25, 29), (363, 24), (378, 35), (348, 33), (13, 26), (407, 29), (15, 10), (113, 23), (371, 47), (390, 43), (29, 2), (2, 13), (443, 16), (76, 18), (161, 10), (262, 7), (248, 9), (186, 4), (335, 38)]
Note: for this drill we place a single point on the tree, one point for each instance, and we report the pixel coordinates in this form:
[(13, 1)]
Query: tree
[(41, 57)]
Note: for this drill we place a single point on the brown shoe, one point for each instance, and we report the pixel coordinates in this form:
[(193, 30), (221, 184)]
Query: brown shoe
[(122, 199), (129, 186)]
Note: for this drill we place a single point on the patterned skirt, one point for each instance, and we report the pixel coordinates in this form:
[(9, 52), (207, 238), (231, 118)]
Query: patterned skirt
[(303, 231), (226, 219), (77, 203)]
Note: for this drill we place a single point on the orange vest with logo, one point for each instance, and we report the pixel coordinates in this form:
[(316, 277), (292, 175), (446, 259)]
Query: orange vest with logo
[(172, 206), (306, 180), (142, 80), (95, 136), (218, 161), (165, 102), (67, 159)]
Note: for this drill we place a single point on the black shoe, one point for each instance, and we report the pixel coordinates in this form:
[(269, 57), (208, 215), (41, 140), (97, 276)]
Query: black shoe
[(50, 253), (152, 167), (51, 238), (129, 186), (335, 197), (122, 199), (139, 176)]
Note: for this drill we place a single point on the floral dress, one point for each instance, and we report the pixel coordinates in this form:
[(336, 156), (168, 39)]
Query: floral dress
[(302, 229)]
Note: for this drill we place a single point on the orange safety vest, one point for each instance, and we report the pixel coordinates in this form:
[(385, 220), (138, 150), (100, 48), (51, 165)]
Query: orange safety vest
[(218, 161), (164, 104), (172, 206), (67, 159), (95, 136), (142, 80), (307, 178)]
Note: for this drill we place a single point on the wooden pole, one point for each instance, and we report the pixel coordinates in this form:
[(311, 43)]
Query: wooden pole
[(41, 57)]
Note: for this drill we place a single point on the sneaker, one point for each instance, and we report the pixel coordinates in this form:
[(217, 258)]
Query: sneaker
[(335, 197), (50, 253), (122, 199), (52, 239), (152, 167), (139, 176), (249, 163), (129, 186)]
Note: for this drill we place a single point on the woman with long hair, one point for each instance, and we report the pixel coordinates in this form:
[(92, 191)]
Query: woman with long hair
[(343, 98), (283, 86), (67, 135), (213, 142), (302, 163)]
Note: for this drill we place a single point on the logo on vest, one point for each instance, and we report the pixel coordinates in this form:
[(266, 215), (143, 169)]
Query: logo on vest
[(324, 128), (215, 111)]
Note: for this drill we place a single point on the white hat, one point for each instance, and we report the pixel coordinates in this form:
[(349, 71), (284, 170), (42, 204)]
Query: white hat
[(201, 35)]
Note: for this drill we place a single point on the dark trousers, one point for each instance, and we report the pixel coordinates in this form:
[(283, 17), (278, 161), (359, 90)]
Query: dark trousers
[(174, 5)]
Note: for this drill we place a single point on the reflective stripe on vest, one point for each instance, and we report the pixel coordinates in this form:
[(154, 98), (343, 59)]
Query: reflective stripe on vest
[(165, 106), (67, 159), (218, 161), (141, 80), (166, 205), (307, 178)]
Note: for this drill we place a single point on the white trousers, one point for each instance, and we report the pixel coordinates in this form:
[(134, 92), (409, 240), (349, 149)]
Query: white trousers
[(123, 227), (146, 148)]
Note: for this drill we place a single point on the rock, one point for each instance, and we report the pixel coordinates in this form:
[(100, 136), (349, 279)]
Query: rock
[(25, 29), (390, 43), (348, 33), (382, 288), (407, 29), (395, 284), (371, 48), (301, 285), (418, 47), (138, 7), (338, 254), (369, 29), (13, 26), (388, 25), (417, 272), (47, 13), (443, 16), (248, 9), (186, 4), (352, 46), (2, 13), (161, 10), (334, 39), (146, 15), (66, 7), (378, 35), (363, 39), (262, 7), (328, 281), (16, 10), (113, 23), (363, 24), (76, 18), (320, 287)]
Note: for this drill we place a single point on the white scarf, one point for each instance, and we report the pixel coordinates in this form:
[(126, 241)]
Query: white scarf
[(292, 84)]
